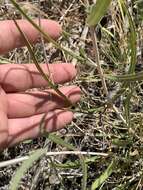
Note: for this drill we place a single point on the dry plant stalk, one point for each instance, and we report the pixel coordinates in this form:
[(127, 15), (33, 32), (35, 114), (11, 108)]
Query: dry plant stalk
[(21, 159), (97, 58)]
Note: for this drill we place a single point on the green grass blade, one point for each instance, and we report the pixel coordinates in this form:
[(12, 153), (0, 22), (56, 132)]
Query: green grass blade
[(50, 83), (127, 109), (24, 168), (126, 78), (98, 10), (76, 164), (106, 31), (45, 35), (132, 38), (58, 140), (121, 9), (104, 176), (85, 175)]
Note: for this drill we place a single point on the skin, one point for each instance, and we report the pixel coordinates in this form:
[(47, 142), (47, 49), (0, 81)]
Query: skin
[(21, 111)]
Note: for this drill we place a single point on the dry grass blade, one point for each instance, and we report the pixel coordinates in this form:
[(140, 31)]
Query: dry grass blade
[(21, 159), (96, 53)]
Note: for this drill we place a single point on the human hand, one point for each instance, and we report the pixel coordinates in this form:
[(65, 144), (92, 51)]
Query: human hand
[(21, 111)]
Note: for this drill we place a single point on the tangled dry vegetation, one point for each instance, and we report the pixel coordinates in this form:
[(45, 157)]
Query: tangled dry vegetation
[(115, 134)]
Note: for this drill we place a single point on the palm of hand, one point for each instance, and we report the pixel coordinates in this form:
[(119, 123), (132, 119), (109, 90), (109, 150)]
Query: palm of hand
[(21, 111)]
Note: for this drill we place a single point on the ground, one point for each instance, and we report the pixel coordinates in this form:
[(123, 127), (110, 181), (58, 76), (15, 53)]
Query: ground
[(116, 135)]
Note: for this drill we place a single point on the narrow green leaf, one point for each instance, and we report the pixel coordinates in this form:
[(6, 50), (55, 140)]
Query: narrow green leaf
[(58, 140), (76, 164), (98, 10), (127, 108), (106, 31), (132, 37), (126, 78), (24, 168), (84, 170), (104, 176), (121, 9)]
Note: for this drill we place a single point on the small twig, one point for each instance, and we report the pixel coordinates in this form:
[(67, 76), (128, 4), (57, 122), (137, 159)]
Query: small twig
[(118, 113), (66, 12), (17, 160), (69, 174)]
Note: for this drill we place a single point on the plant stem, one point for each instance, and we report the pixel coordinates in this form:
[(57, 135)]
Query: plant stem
[(100, 71), (97, 59)]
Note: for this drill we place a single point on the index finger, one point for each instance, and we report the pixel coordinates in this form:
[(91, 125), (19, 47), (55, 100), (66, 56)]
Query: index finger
[(20, 77), (11, 38)]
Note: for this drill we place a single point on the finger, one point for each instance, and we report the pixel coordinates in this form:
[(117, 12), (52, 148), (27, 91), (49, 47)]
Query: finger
[(3, 119), (3, 129), (11, 38), (28, 128), (20, 77), (32, 103)]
